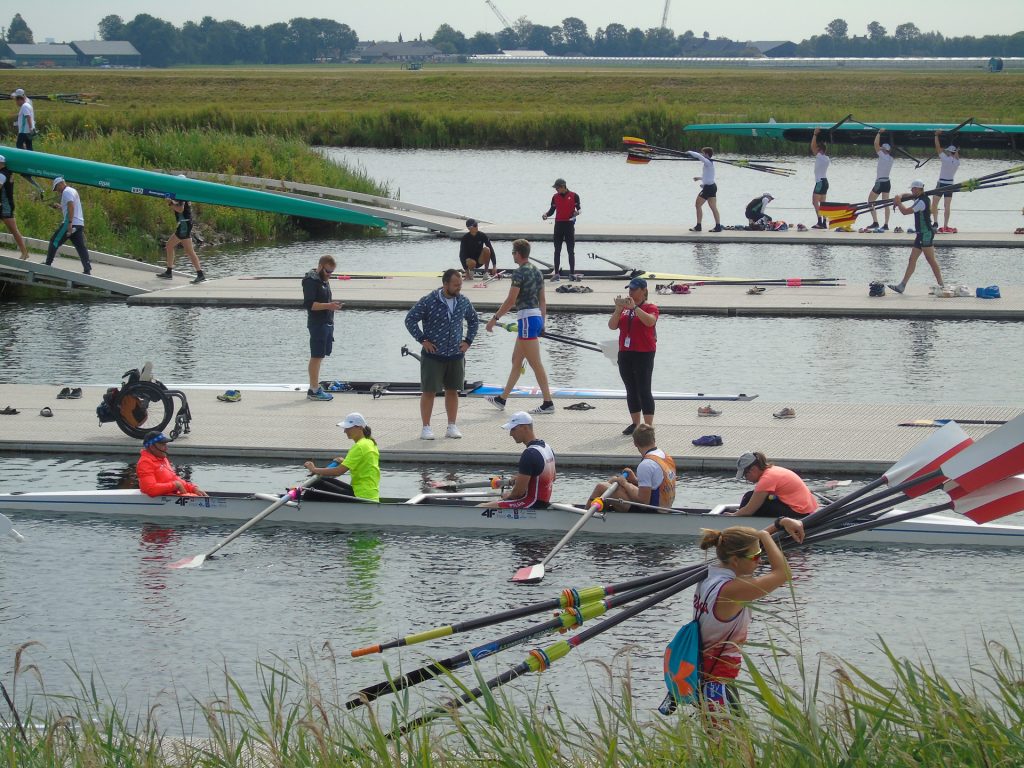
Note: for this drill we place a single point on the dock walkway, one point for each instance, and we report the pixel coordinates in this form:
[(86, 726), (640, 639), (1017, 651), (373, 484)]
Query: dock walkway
[(282, 424)]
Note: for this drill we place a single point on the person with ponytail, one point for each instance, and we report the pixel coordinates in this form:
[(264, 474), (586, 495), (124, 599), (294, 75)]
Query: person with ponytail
[(721, 601), (362, 462)]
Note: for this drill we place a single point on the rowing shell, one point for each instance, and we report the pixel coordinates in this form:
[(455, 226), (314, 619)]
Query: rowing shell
[(163, 185), (419, 512), (479, 389)]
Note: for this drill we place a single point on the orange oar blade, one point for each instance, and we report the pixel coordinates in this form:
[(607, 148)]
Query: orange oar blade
[(633, 140)]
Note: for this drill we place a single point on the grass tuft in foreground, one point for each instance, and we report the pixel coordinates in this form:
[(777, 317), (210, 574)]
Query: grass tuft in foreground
[(915, 717)]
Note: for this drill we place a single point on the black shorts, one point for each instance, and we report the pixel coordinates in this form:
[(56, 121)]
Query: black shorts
[(6, 207), (944, 183), (321, 340), (821, 187), (924, 239), (708, 191), (882, 185)]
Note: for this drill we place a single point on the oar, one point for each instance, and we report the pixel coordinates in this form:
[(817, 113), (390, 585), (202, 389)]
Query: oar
[(6, 526), (609, 348), (640, 152), (291, 495), (497, 481), (573, 615), (943, 422), (533, 574)]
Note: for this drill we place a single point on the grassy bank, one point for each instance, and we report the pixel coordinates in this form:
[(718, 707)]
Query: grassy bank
[(914, 717), (469, 106), (121, 223)]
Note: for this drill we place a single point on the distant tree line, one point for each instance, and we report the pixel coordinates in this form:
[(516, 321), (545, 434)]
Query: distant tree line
[(304, 40)]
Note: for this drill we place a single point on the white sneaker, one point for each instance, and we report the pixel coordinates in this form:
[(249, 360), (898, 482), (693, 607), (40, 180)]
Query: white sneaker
[(427, 434), (453, 432)]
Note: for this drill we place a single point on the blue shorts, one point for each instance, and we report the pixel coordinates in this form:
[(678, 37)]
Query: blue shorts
[(530, 327), (321, 340), (719, 696), (821, 187), (945, 183)]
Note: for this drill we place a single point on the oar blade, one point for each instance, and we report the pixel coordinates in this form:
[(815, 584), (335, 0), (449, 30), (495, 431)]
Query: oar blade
[(189, 562), (530, 574), (634, 159), (997, 455), (928, 455), (993, 501), (633, 141), (6, 526)]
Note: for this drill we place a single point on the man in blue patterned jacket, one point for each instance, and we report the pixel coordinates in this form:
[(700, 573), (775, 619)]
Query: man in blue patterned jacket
[(436, 323)]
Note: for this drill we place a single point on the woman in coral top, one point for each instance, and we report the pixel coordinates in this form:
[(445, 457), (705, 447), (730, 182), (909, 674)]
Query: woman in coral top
[(636, 319), (778, 492)]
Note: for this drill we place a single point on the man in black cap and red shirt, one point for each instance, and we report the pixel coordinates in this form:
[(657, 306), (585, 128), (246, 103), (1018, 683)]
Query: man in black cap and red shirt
[(476, 250), (565, 205)]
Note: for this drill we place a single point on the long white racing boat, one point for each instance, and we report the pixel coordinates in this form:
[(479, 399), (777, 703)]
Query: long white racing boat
[(442, 511)]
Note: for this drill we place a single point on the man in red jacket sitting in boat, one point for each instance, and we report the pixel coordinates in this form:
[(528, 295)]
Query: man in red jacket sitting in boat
[(156, 475)]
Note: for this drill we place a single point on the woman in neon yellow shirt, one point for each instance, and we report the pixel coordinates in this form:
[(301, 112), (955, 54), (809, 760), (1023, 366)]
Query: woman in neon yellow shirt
[(362, 462)]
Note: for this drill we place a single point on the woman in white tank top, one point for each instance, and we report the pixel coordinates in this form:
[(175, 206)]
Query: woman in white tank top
[(720, 600)]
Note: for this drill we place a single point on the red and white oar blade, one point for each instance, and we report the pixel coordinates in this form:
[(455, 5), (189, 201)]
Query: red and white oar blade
[(530, 574), (997, 455), (188, 562), (994, 501), (928, 455)]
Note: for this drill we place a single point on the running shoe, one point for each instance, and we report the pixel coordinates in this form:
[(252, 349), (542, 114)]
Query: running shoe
[(545, 407), (707, 410), (426, 433), (230, 396), (200, 277), (896, 287), (496, 401), (756, 290), (884, 228), (716, 228), (318, 394), (629, 430), (695, 229), (785, 413), (166, 275), (63, 394), (453, 432), (818, 226), (76, 392)]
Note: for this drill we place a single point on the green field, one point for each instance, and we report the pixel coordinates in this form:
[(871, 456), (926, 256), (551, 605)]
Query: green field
[(524, 107)]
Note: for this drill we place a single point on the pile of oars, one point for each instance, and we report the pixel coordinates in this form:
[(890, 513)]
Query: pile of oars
[(844, 214), (639, 152), (979, 479)]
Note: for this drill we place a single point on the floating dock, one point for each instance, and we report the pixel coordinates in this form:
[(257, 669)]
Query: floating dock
[(279, 422)]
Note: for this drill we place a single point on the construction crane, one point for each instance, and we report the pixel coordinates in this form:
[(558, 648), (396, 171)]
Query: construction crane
[(500, 15), (664, 14)]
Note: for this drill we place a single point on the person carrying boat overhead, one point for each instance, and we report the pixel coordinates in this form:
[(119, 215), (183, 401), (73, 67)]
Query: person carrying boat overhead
[(949, 164), (536, 475), (7, 207), (819, 150), (362, 462), (883, 185), (708, 188), (156, 475), (778, 492), (652, 485)]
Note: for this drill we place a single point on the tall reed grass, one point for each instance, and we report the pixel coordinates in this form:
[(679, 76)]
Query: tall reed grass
[(909, 716), (467, 106)]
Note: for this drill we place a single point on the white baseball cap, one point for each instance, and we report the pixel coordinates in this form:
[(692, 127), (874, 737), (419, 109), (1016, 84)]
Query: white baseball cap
[(518, 419), (768, 195), (951, 148), (18, 92), (352, 420), (917, 184), (886, 146), (58, 180)]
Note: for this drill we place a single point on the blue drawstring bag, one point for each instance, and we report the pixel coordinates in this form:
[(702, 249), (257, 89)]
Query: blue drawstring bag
[(682, 668), (991, 292)]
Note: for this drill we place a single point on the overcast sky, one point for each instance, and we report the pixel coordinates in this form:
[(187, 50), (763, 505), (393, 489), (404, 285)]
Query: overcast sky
[(65, 20)]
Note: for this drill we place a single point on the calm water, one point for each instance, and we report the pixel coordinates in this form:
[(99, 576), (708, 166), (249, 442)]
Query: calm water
[(99, 591)]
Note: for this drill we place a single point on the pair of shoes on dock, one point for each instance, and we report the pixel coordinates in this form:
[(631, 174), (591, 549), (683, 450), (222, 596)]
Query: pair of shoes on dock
[(230, 396), (168, 274), (69, 393), (452, 432), (707, 410), (319, 395), (785, 413)]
